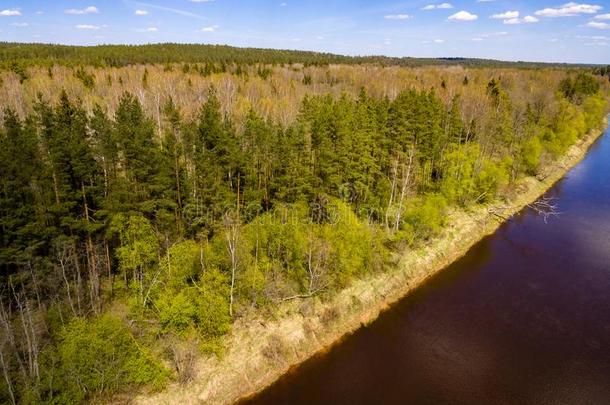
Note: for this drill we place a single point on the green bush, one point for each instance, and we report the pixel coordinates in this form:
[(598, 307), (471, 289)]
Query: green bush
[(204, 306), (351, 243), (426, 217), (531, 154), (100, 356), (491, 176)]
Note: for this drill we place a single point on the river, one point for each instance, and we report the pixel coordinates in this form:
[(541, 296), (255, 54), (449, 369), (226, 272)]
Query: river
[(523, 318)]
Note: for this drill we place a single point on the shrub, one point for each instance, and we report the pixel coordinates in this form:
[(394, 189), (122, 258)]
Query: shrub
[(426, 217), (531, 154), (276, 350), (99, 356), (203, 306)]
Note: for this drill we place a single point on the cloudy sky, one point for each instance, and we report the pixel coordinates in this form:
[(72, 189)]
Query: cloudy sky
[(538, 30)]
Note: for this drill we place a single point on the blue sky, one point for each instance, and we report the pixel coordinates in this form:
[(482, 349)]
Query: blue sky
[(539, 30)]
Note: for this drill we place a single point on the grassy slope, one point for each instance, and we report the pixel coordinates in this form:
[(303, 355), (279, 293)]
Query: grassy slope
[(304, 329)]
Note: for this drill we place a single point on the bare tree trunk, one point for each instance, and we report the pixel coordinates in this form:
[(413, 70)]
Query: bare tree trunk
[(29, 332), (79, 281), (35, 347), (108, 267), (9, 385), (403, 191), (10, 337), (232, 235), (63, 272), (316, 259), (91, 259), (387, 212)]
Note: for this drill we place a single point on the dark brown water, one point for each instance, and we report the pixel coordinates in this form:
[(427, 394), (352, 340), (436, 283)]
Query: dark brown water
[(523, 318)]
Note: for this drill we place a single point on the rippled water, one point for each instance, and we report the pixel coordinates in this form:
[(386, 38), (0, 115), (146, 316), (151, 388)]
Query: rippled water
[(524, 317)]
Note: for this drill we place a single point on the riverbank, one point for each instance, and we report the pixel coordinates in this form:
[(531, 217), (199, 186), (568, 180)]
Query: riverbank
[(261, 351)]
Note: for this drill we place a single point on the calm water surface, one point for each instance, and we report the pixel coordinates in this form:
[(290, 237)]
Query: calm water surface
[(523, 318)]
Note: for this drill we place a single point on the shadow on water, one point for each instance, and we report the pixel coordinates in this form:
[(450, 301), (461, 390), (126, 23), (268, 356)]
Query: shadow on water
[(524, 317)]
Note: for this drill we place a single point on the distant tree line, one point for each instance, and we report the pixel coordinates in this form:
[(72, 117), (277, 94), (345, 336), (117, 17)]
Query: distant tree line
[(27, 54)]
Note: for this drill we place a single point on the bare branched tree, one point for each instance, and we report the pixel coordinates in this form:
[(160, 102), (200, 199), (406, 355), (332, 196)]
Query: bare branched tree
[(545, 207), (231, 225)]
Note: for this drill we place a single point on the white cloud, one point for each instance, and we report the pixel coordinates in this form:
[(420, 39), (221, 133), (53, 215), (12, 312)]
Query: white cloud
[(319, 37), (602, 17), (439, 41), (141, 12), (78, 11), (397, 17), (172, 10), (20, 24), (10, 12), (442, 6), (477, 39), (598, 25), (149, 29), (463, 16), (569, 10), (211, 28), (593, 37), (87, 27), (528, 19), (494, 34), (39, 12), (283, 4), (505, 16)]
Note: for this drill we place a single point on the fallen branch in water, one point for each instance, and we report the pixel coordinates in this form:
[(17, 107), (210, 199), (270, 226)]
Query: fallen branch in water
[(545, 207)]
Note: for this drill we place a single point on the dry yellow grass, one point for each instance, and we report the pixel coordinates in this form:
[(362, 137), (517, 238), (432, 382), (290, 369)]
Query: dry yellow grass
[(261, 351)]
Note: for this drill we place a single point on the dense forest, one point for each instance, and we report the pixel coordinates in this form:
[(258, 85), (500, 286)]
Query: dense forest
[(12, 54), (136, 217)]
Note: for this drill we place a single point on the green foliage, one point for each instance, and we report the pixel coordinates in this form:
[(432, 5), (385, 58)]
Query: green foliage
[(97, 356), (139, 245), (425, 216), (137, 253), (459, 173), (176, 311), (190, 296), (576, 89), (19, 70), (531, 154), (145, 78), (168, 53), (87, 79), (594, 109), (471, 177), (263, 72), (182, 263), (350, 243), (197, 221)]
